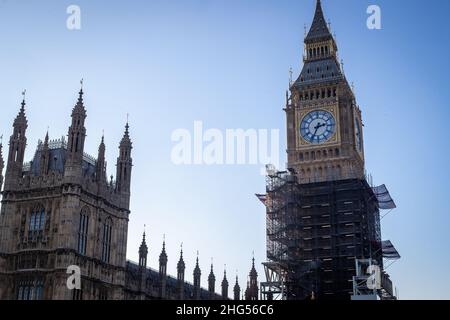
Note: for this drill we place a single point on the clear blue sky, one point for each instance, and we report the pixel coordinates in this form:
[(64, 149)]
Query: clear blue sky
[(169, 63)]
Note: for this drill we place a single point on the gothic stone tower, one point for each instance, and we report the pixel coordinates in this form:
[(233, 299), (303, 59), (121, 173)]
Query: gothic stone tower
[(59, 210), (333, 213), (324, 125)]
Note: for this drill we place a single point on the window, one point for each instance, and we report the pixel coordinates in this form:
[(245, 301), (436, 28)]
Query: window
[(106, 241), (37, 221), (30, 290), (83, 232)]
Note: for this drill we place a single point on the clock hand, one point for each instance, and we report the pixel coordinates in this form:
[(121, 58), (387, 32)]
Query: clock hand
[(315, 132)]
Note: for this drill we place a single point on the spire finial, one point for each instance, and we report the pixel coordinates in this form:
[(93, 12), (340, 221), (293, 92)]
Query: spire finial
[(81, 89), (22, 108), (127, 126)]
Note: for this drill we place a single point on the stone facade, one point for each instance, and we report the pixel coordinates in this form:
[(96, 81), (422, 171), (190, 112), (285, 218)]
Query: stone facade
[(60, 210)]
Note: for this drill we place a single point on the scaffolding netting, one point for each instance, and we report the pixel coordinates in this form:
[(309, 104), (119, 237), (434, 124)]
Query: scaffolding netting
[(385, 200), (389, 251)]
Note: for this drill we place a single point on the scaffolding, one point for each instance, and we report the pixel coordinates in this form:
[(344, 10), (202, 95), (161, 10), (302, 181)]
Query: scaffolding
[(315, 232)]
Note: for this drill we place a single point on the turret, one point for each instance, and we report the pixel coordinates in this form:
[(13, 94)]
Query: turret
[(225, 286), (163, 271), (197, 276), (211, 283), (237, 290), (100, 168), (180, 275), (252, 285), (124, 166), (143, 251), (17, 145), (75, 142)]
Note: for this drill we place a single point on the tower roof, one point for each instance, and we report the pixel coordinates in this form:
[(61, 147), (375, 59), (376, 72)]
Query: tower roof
[(319, 28), (126, 141), (79, 107)]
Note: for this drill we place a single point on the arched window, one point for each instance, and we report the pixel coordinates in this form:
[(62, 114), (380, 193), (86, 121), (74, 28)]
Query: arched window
[(37, 221), (106, 240), (83, 229)]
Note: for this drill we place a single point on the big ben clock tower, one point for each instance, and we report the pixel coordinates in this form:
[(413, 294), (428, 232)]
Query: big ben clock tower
[(324, 125), (322, 215)]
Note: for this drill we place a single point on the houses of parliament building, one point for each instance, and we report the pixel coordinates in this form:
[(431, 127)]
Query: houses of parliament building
[(60, 210)]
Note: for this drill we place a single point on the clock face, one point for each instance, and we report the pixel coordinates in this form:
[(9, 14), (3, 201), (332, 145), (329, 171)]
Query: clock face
[(358, 135), (318, 127)]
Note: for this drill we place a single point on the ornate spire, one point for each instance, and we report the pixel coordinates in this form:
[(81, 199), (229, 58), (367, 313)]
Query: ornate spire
[(237, 289), (181, 265), (21, 118), (319, 27), (163, 255), (124, 166), (211, 282), (197, 270), (211, 276), (79, 107), (101, 163), (126, 141), (143, 251), (46, 139), (143, 240), (253, 270), (225, 284)]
